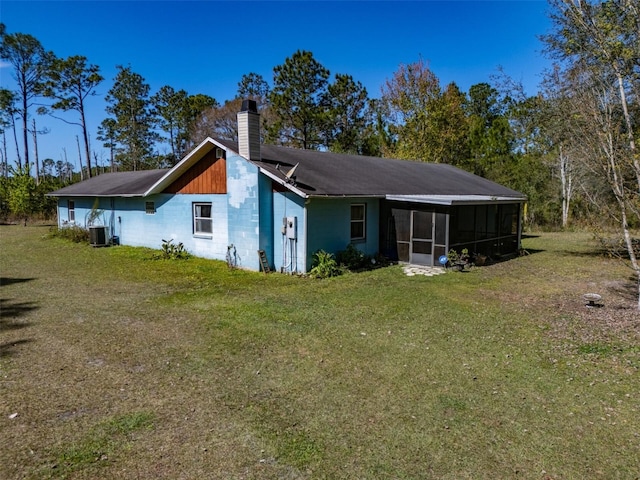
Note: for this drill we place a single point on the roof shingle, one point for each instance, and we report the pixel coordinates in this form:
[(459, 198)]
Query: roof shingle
[(119, 184), (335, 174), (323, 174)]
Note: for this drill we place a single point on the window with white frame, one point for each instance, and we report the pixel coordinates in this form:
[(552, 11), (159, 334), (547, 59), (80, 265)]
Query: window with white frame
[(202, 221), (71, 211), (358, 221)]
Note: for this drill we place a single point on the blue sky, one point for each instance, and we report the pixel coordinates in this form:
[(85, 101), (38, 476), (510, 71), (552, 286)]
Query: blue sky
[(206, 46)]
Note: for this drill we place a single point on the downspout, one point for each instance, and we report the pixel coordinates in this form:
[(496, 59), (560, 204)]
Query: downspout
[(446, 239), (112, 219), (283, 237)]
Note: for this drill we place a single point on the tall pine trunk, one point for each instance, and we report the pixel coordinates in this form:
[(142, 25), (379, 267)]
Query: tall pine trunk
[(85, 137), (35, 152), (25, 134)]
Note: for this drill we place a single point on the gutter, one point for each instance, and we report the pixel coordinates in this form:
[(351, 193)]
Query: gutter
[(456, 199)]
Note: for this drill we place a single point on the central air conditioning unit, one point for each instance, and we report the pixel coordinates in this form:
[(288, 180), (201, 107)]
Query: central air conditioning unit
[(98, 236)]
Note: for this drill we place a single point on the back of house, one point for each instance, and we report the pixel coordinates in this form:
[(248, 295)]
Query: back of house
[(241, 198)]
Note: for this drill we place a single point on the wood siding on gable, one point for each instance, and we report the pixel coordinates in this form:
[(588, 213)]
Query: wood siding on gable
[(209, 175)]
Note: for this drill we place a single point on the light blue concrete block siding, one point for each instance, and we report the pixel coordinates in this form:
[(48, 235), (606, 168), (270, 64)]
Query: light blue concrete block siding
[(243, 211), (82, 211), (329, 223), (289, 255), (173, 220), (126, 218), (236, 217), (249, 216)]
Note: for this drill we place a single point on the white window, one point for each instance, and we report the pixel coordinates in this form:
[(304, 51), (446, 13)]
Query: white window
[(202, 222), (149, 208), (71, 209), (358, 221)]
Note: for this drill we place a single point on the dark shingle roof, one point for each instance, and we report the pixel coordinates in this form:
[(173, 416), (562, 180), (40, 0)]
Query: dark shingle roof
[(318, 174), (119, 184), (334, 174)]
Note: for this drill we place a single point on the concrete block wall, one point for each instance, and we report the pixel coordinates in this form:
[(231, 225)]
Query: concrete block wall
[(266, 241), (243, 211), (289, 255), (329, 223)]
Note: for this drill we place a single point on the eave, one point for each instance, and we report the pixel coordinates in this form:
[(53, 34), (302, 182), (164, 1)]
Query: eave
[(456, 199)]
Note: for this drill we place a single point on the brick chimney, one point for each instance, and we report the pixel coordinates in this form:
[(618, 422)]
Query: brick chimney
[(249, 130)]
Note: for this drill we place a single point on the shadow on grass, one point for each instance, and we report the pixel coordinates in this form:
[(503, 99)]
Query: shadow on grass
[(523, 252), (9, 309), (593, 252), (607, 247), (8, 349), (627, 290), (4, 281)]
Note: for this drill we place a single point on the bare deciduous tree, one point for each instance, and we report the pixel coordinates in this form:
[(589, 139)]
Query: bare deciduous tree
[(598, 44)]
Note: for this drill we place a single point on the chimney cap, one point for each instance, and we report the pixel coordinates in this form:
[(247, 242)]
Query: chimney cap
[(249, 106)]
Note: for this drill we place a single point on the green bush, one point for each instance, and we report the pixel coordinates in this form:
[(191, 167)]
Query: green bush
[(72, 233), (324, 265), (171, 251), (354, 260), (454, 257)]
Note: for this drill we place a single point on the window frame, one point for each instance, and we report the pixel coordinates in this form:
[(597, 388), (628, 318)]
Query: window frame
[(362, 221), (196, 219), (71, 211)]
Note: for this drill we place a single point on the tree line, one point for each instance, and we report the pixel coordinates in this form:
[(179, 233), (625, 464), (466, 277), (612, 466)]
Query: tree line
[(571, 147)]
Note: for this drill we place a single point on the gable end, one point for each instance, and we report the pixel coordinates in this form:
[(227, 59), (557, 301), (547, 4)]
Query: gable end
[(209, 175)]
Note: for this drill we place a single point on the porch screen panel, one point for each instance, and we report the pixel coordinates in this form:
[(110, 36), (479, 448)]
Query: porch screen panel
[(402, 220), (422, 247), (440, 247), (464, 222), (422, 238), (422, 225), (481, 222), (509, 228), (441, 228), (496, 229), (403, 252), (402, 223), (492, 221), (509, 220)]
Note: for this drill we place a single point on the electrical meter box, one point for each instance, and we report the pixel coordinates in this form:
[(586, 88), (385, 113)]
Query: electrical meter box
[(291, 227)]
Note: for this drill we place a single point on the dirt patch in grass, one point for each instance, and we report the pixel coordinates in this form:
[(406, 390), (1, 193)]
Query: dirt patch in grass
[(549, 288)]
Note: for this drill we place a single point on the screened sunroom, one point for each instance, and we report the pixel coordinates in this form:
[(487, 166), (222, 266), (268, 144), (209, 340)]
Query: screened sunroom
[(420, 233)]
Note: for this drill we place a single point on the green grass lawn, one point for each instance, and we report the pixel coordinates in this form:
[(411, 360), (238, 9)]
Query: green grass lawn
[(120, 366)]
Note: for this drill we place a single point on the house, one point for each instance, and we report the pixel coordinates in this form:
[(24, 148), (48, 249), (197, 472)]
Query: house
[(240, 198)]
